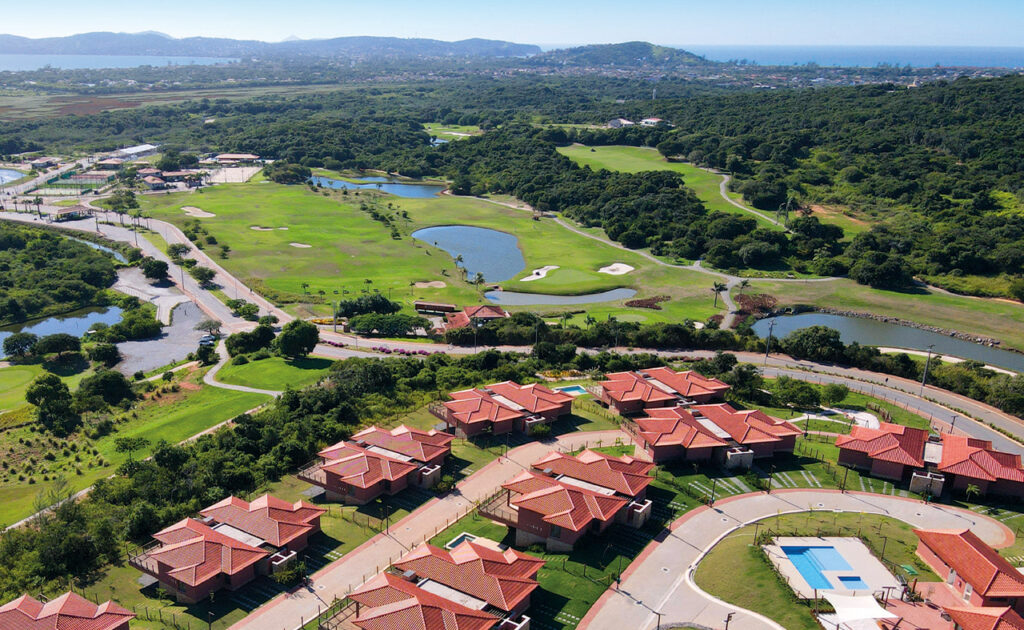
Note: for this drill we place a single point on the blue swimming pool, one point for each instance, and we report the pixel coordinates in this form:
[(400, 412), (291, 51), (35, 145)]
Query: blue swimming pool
[(853, 583), (811, 561), (572, 390)]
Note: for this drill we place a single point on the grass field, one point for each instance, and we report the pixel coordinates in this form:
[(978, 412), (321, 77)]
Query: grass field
[(451, 132), (351, 252), (14, 379), (736, 571), (276, 373)]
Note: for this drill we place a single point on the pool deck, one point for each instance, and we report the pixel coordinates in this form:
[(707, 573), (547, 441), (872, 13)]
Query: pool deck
[(862, 564)]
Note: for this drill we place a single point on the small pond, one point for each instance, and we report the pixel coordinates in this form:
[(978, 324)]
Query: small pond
[(75, 323), (513, 298), (118, 256), (399, 188), (7, 175), (492, 253), (875, 333)]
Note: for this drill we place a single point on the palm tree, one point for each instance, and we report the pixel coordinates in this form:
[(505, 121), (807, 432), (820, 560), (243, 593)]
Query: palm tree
[(589, 320), (305, 287), (972, 490), (743, 285), (478, 278), (38, 201), (718, 287)]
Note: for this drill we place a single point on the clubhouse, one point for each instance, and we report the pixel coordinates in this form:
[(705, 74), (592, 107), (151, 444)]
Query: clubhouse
[(475, 315), (502, 408), (67, 612)]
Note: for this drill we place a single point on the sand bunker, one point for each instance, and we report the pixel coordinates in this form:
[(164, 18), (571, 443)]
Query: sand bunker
[(260, 228), (434, 284), (193, 211), (616, 269), (282, 228), (539, 273), (300, 245)]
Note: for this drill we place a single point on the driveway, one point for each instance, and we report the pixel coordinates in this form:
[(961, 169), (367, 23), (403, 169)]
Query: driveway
[(173, 344)]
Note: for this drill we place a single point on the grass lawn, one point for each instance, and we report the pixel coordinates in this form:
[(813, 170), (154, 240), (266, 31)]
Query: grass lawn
[(451, 132), (14, 379), (737, 572), (276, 373)]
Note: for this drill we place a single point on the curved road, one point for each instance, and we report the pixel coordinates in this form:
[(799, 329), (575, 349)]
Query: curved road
[(661, 578)]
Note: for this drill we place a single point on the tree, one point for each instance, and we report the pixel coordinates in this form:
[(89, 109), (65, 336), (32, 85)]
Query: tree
[(834, 393), (154, 269), (209, 326), (817, 343), (717, 288), (123, 201), (52, 400), (206, 355), (297, 338), (203, 275), (130, 445), (177, 250), (59, 343), (20, 344), (105, 353), (795, 393), (110, 385), (1017, 288), (972, 490)]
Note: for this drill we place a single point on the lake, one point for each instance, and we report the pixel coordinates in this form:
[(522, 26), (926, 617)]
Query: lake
[(19, 63), (492, 253), (875, 333), (396, 187), (75, 323), (514, 298), (118, 256), (7, 175)]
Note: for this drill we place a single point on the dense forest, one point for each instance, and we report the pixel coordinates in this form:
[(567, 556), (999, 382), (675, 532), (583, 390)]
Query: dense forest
[(42, 273)]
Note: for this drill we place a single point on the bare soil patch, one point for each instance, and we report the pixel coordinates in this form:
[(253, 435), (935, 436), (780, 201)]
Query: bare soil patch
[(300, 245), (193, 211), (434, 284)]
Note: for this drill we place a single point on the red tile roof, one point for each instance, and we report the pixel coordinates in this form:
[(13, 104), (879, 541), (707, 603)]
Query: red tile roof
[(630, 386), (750, 426), (503, 579), (675, 426), (67, 612), (688, 383), (422, 446), (888, 443), (392, 603), (978, 564), (362, 468), (625, 475), (482, 312), (970, 457), (986, 618), (475, 405), (195, 552), (534, 398), (561, 504), (269, 518)]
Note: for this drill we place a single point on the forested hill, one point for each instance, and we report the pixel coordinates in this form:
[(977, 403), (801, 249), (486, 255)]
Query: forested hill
[(158, 44), (629, 54)]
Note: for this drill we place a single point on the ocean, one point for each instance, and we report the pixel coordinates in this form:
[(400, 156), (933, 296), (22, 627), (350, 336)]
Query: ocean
[(867, 56), (18, 63)]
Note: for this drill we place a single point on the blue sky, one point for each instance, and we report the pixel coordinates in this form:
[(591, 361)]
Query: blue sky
[(546, 22)]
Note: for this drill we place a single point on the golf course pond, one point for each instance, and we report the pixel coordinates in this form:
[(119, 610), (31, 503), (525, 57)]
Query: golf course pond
[(75, 323), (396, 187), (515, 298), (870, 332), (7, 175), (491, 253), (118, 256)]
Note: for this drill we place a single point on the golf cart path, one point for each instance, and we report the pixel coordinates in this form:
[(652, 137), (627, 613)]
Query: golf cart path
[(661, 578)]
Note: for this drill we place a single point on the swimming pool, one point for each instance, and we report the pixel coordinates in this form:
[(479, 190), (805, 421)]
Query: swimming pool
[(458, 540), (572, 390), (811, 561), (853, 583)]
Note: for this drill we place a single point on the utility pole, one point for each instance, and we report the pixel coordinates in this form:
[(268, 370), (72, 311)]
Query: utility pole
[(714, 482), (728, 618), (768, 344), (844, 479), (771, 472), (952, 426), (924, 379)]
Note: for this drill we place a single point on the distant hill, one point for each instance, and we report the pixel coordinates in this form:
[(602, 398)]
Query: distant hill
[(631, 54), (154, 43)]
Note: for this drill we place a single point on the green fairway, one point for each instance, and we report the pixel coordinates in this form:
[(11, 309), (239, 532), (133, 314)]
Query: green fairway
[(14, 379), (276, 373), (451, 132), (350, 252)]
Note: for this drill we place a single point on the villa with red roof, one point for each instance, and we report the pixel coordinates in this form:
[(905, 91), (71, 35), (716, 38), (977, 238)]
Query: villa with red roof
[(67, 612), (477, 573), (693, 386), (356, 475), (891, 451), (630, 392), (979, 575), (272, 520), (502, 408), (968, 461), (750, 428), (673, 433), (481, 314), (388, 602), (423, 447), (986, 618), (192, 560), (627, 476)]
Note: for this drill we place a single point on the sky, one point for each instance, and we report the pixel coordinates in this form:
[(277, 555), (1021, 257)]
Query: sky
[(547, 22)]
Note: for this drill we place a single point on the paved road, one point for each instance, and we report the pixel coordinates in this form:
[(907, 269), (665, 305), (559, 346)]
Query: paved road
[(661, 578), (173, 344), (722, 186), (341, 577)]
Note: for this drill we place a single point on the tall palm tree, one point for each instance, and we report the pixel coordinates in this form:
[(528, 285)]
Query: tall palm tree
[(717, 288), (743, 285), (971, 490)]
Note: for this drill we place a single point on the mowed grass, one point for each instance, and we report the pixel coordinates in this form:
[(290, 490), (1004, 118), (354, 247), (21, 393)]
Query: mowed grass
[(451, 132), (351, 252), (276, 373), (14, 380)]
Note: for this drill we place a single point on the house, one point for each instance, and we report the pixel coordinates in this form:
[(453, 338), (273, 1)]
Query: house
[(969, 461), (618, 123), (891, 451), (985, 618), (651, 122), (626, 476), (689, 385), (110, 164), (534, 399), (751, 428), (149, 171), (43, 162), (477, 570), (502, 408), (479, 315), (275, 522), (971, 568), (356, 475), (630, 392), (673, 433), (67, 612), (390, 602), (236, 158), (192, 560), (154, 183), (427, 448)]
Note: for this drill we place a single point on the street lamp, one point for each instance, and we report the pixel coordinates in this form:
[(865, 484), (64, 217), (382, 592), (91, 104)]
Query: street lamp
[(728, 618), (768, 344), (924, 379)]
